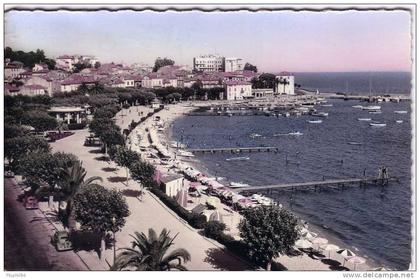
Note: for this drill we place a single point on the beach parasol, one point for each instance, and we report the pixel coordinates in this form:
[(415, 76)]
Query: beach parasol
[(345, 253), (329, 248), (319, 241), (303, 244), (309, 235), (216, 216), (356, 260), (182, 198), (213, 201)]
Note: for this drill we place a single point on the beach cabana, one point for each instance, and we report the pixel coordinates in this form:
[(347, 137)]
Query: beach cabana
[(199, 209), (303, 244), (182, 198), (356, 260), (345, 253), (329, 248), (216, 216), (309, 235), (319, 241)]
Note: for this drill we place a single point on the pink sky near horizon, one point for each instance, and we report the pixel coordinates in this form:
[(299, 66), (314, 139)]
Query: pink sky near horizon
[(273, 41)]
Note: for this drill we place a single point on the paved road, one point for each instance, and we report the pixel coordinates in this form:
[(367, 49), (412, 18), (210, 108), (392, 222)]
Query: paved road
[(27, 239)]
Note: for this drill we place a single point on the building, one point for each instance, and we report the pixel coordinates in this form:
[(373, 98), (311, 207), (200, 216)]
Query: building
[(40, 68), (285, 84), (43, 81), (237, 90), (10, 89), (233, 64), (171, 184), (13, 70), (33, 90), (70, 115), (208, 63), (66, 62), (152, 80), (73, 82), (262, 93)]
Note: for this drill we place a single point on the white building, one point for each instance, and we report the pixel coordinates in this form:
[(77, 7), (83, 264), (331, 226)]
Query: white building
[(285, 84), (237, 90), (13, 70), (233, 64), (208, 63), (33, 90), (68, 114), (172, 184), (66, 62), (151, 81), (43, 81)]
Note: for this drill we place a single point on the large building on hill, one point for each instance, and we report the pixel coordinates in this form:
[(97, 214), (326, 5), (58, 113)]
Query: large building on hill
[(209, 63), (233, 64)]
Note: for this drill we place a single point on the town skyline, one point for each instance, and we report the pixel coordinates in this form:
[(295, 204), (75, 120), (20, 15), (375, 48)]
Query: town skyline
[(373, 41)]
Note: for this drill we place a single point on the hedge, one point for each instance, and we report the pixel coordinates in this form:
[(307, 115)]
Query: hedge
[(197, 221)]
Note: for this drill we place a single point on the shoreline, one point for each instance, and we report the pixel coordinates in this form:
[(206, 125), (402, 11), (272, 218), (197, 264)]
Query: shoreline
[(167, 137)]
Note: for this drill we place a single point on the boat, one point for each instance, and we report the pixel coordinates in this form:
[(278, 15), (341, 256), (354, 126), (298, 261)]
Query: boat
[(185, 153), (238, 184), (357, 106), (295, 134), (364, 119), (315, 121), (327, 105), (372, 108), (176, 144), (375, 112), (400, 111), (254, 135), (354, 143), (399, 121), (377, 124), (237, 159)]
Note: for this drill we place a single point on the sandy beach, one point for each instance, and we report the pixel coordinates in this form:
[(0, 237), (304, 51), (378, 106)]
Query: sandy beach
[(231, 218)]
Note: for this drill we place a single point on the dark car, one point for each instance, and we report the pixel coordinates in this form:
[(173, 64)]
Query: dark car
[(30, 202), (61, 241)]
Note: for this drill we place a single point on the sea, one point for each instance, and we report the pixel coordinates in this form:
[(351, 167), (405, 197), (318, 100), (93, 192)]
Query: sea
[(372, 221)]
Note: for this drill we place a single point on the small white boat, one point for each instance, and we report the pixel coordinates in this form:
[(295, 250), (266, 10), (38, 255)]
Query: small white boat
[(401, 111), (238, 185), (176, 144), (375, 112), (357, 106), (254, 135), (399, 121), (364, 119), (377, 124), (287, 114), (372, 108), (295, 134), (320, 114), (237, 159), (185, 153), (327, 105), (354, 143), (315, 121)]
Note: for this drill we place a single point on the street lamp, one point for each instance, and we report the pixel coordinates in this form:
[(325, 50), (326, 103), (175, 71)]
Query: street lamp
[(114, 221)]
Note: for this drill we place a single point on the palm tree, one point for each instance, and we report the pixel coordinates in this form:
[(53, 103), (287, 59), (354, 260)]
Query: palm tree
[(151, 253), (71, 181)]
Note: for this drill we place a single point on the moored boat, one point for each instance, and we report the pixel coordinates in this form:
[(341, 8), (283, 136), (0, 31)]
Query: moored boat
[(237, 159), (315, 121), (238, 184), (377, 124), (364, 119), (400, 111), (399, 121)]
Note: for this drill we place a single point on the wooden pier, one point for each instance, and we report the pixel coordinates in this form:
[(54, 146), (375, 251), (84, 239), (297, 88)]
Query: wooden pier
[(319, 184), (235, 149)]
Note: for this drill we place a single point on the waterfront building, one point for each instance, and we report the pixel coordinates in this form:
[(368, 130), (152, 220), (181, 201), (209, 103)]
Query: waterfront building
[(69, 115), (171, 184), (233, 64), (285, 83), (237, 90), (262, 93), (208, 63)]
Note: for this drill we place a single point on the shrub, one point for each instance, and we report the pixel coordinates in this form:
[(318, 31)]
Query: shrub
[(214, 229)]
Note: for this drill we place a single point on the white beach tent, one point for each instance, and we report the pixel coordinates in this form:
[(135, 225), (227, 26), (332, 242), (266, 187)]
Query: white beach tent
[(345, 254), (216, 216), (319, 241), (303, 244), (356, 260), (329, 248)]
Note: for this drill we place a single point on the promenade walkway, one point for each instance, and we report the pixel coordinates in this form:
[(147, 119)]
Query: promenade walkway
[(149, 212)]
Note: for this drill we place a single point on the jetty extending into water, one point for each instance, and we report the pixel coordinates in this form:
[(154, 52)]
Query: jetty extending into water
[(235, 149), (332, 183)]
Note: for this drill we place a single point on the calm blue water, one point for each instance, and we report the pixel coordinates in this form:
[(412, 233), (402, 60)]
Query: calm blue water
[(357, 82), (375, 221)]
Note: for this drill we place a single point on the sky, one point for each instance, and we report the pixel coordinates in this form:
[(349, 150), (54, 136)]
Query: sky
[(273, 41)]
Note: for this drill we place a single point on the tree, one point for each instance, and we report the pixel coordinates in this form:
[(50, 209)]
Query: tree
[(143, 172), (150, 253), (268, 231), (100, 210), (40, 120), (17, 148), (13, 130), (72, 180), (125, 158), (214, 229), (161, 62), (97, 64), (250, 67)]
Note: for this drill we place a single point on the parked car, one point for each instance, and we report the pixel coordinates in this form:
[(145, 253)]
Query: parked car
[(61, 241), (9, 174), (30, 202)]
